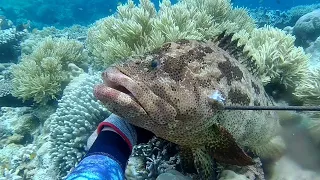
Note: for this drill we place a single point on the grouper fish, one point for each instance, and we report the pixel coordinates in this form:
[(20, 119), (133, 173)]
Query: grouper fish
[(171, 92)]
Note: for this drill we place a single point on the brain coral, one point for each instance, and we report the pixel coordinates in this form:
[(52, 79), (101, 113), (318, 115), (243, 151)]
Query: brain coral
[(307, 28)]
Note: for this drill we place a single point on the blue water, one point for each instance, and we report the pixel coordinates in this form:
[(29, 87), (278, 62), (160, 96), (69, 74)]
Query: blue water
[(62, 13), (273, 4)]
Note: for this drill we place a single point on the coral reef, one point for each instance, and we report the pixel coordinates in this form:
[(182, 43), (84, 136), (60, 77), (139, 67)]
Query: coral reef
[(18, 150), (252, 172), (116, 37), (5, 87), (142, 164), (7, 153), (9, 44), (26, 162), (10, 175), (77, 116), (46, 168), (40, 75), (277, 58), (298, 11), (6, 98), (5, 23), (25, 154), (10, 118), (264, 16), (138, 29), (313, 50), (75, 32), (5, 79), (280, 18), (309, 89), (307, 28), (309, 93), (149, 160)]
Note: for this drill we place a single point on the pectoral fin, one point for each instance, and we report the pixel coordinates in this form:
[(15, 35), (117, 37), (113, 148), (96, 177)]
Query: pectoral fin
[(204, 164), (187, 160), (225, 149)]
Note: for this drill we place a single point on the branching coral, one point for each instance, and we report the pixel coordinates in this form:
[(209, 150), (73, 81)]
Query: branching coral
[(39, 75), (138, 29), (75, 32), (276, 56), (309, 92), (10, 175), (149, 160), (25, 155), (16, 161), (309, 89)]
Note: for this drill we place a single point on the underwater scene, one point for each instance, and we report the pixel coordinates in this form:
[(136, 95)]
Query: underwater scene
[(160, 90)]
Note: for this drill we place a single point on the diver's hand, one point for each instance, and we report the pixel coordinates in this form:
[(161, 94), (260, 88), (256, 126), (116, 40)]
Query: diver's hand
[(118, 125)]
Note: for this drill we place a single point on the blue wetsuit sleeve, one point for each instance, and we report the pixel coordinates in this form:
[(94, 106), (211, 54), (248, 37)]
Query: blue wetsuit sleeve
[(97, 167), (105, 160)]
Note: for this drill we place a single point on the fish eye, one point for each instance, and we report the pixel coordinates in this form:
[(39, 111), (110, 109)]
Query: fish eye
[(154, 63)]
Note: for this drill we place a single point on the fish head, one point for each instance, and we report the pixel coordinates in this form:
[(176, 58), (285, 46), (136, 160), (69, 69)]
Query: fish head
[(163, 91)]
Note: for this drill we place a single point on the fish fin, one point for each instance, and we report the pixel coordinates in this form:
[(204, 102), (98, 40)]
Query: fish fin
[(204, 164), (225, 149), (187, 160), (226, 42)]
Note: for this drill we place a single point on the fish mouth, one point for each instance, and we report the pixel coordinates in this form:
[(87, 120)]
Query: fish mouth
[(119, 91)]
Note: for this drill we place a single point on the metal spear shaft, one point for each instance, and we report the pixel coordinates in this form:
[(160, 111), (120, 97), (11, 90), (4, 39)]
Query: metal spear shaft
[(275, 108)]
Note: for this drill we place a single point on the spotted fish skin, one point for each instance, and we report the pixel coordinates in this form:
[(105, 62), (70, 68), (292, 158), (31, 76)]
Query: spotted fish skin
[(169, 92)]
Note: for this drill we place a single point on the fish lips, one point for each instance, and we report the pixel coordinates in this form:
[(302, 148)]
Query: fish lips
[(119, 93)]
